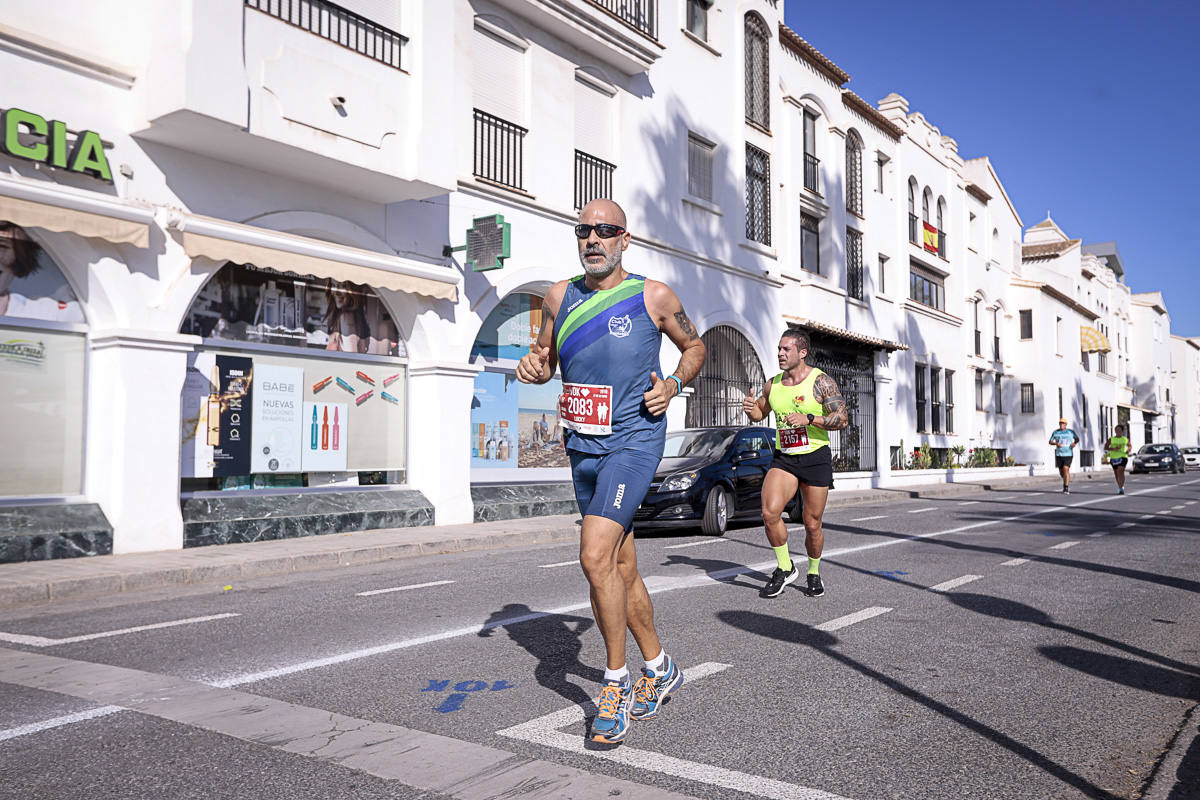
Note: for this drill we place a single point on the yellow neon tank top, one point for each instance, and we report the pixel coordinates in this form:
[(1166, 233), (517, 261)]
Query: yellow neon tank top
[(786, 400), (1120, 447)]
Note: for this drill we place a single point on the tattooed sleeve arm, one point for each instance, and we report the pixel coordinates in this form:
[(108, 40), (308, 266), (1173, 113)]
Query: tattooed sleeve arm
[(666, 310), (827, 393)]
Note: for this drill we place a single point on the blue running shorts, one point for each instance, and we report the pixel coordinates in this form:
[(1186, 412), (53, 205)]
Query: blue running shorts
[(612, 485)]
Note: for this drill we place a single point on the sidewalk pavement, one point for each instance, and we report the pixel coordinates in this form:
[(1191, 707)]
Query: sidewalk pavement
[(38, 582)]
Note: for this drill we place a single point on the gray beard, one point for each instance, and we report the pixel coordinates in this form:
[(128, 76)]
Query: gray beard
[(610, 265)]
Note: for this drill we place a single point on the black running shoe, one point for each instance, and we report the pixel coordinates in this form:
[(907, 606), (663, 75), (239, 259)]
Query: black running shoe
[(779, 579), (815, 588)]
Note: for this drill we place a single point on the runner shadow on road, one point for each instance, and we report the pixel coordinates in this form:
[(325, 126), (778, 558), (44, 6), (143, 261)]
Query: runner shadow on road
[(712, 566), (555, 642), (792, 632)]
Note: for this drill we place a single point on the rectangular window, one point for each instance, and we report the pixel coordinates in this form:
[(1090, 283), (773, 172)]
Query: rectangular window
[(1087, 458), (995, 334), (1085, 410), (700, 167), (1027, 398), (880, 162), (926, 287), (979, 391), (949, 401), (998, 391), (854, 265), (883, 274), (935, 398), (920, 387), (1060, 403), (697, 18), (1058, 335), (978, 333), (810, 243), (811, 161), (1026, 323), (758, 195)]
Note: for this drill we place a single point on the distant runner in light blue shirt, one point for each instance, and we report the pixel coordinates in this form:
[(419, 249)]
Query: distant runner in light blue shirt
[(1064, 440)]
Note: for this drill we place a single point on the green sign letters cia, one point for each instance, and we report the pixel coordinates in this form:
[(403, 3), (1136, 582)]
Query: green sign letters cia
[(46, 141)]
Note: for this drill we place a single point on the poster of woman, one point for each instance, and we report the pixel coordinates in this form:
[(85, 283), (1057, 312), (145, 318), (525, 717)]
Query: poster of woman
[(31, 284)]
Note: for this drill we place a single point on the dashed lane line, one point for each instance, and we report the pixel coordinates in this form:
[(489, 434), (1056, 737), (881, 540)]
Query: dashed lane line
[(1127, 524), (956, 582), (374, 592), (1065, 545), (694, 544), (969, 503), (546, 731), (868, 519), (558, 564), (1098, 534), (1016, 562), (1165, 511), (1146, 516), (921, 510), (43, 641), (1181, 505), (850, 619)]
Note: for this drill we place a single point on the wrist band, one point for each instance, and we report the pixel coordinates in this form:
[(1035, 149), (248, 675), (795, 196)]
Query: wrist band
[(678, 382)]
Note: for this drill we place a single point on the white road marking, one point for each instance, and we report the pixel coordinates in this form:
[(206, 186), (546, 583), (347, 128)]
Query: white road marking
[(401, 588), (694, 544), (1178, 507), (867, 519), (545, 731), (1098, 533), (55, 722), (559, 564), (1146, 516), (968, 502), (922, 510), (1064, 545), (959, 581), (1126, 524), (42, 641), (1015, 562), (1033, 494), (1190, 503), (1165, 511), (850, 619)]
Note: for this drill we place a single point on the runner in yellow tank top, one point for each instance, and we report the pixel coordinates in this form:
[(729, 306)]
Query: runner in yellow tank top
[(1118, 455), (807, 405)]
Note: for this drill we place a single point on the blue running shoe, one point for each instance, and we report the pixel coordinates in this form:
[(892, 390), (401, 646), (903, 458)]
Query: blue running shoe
[(611, 724), (650, 692)]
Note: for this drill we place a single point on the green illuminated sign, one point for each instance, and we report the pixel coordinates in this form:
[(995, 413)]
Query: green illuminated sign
[(29, 136), (489, 242)]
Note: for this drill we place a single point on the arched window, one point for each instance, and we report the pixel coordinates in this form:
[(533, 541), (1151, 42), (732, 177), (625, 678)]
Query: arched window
[(854, 191), (758, 71), (912, 211), (926, 199), (941, 227), (730, 371)]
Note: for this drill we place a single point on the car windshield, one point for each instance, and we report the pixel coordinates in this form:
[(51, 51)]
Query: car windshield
[(1191, 450), (697, 444), (1154, 449)]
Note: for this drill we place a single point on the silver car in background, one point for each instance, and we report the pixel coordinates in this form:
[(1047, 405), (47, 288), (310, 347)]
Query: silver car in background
[(1191, 456)]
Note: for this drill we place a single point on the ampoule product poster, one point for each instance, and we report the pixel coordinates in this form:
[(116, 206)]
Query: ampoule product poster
[(325, 430), (276, 423)]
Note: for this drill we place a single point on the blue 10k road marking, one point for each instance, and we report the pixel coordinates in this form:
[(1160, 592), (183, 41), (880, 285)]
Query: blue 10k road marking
[(892, 574), (455, 699)]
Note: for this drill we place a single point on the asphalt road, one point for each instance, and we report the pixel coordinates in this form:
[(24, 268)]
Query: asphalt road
[(1016, 644)]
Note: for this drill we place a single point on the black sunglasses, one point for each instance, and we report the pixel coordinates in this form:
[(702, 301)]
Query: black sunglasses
[(603, 230)]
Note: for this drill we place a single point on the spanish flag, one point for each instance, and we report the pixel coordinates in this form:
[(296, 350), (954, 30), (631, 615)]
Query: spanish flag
[(931, 238)]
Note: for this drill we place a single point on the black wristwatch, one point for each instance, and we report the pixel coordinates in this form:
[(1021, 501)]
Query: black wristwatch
[(810, 419)]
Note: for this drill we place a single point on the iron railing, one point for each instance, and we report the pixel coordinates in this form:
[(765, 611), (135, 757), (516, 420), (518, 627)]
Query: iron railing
[(731, 370), (854, 265), (758, 195), (757, 74), (810, 172), (331, 21), (641, 15), (593, 178), (853, 447), (499, 150)]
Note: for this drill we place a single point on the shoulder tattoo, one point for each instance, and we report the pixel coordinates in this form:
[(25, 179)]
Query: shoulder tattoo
[(685, 324)]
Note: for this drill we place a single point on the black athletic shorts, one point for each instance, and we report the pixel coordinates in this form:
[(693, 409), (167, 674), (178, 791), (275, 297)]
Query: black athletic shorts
[(815, 468), (1063, 461), (1117, 462)]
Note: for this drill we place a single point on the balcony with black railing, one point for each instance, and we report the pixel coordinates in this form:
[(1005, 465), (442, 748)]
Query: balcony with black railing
[(499, 151), (593, 178), (941, 248), (340, 26), (641, 15), (811, 173)]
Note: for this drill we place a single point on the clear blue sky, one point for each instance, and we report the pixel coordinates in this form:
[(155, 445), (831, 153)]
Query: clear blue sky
[(1088, 110)]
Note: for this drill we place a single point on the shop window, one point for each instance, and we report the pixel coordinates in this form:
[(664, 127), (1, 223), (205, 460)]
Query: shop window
[(514, 426), (42, 359), (299, 383)]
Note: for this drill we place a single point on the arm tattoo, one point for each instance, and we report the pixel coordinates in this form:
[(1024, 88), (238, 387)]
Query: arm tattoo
[(830, 397), (685, 324)]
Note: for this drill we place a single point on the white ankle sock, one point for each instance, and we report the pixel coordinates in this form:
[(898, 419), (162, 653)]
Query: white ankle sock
[(659, 665), (616, 674)]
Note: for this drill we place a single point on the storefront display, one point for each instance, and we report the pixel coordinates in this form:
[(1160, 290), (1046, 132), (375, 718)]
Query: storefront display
[(31, 285)]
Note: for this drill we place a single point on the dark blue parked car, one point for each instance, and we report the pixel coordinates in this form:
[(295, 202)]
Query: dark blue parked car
[(710, 476)]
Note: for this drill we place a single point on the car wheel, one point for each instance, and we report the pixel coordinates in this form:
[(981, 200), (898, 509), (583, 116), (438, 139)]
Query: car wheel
[(717, 511)]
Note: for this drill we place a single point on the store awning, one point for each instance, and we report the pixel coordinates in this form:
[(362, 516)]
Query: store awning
[(842, 333), (285, 252), (40, 204), (1092, 340)]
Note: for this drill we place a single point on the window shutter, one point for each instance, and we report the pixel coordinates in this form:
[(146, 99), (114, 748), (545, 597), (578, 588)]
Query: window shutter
[(593, 121), (385, 13), (499, 77)]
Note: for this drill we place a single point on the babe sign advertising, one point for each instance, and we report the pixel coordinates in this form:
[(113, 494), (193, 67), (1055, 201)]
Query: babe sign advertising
[(326, 431), (275, 423)]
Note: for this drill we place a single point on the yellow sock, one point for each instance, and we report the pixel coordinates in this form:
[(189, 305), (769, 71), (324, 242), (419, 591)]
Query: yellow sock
[(784, 559), (814, 565)]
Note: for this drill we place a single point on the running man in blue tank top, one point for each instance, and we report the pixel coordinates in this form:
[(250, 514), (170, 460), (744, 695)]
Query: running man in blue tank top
[(604, 329)]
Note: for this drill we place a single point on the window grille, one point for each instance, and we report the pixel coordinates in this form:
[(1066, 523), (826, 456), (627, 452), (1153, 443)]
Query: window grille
[(811, 162), (1027, 398), (758, 195), (949, 401), (854, 188), (730, 371), (854, 264), (332, 22), (758, 95), (998, 400), (920, 399), (499, 150), (935, 397), (700, 167), (979, 391), (593, 178), (810, 243)]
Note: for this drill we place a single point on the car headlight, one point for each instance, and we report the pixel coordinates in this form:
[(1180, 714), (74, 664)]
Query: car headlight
[(678, 482), (1168, 460)]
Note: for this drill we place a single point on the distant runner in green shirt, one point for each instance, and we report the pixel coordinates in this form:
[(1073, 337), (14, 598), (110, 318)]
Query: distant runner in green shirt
[(1118, 455), (1064, 440)]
